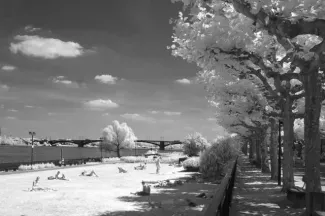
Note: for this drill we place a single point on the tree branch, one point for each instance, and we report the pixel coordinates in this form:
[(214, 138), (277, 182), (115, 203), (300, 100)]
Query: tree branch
[(280, 26)]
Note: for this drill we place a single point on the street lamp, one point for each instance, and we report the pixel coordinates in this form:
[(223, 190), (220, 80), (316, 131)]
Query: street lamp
[(101, 148), (279, 154), (32, 153)]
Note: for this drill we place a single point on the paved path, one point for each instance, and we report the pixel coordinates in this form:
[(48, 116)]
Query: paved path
[(256, 194)]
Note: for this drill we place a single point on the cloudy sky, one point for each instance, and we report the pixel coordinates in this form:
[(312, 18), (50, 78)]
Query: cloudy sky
[(69, 68)]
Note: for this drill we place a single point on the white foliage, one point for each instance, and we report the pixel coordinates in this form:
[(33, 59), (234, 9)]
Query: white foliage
[(195, 143), (119, 135)]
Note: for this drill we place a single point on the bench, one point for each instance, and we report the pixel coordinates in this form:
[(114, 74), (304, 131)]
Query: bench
[(298, 197), (182, 159)]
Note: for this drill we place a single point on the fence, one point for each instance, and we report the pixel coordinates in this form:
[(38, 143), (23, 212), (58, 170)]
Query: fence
[(221, 202)]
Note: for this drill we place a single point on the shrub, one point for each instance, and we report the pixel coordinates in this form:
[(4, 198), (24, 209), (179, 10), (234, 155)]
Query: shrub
[(194, 144), (37, 166), (151, 152), (192, 164), (111, 160), (214, 160), (141, 159)]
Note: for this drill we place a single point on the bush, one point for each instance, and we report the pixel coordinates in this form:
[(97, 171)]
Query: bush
[(214, 160), (141, 159), (111, 160), (194, 144), (192, 164), (37, 166)]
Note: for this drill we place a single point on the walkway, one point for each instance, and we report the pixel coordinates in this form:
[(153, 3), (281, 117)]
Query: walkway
[(256, 194)]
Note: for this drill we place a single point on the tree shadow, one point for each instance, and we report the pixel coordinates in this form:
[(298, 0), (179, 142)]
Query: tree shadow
[(256, 194), (169, 201)]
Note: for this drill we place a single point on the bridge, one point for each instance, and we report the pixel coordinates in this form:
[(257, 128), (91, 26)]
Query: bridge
[(81, 143), (161, 143)]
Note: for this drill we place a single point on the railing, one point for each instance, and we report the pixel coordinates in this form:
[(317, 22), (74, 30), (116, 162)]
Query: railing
[(221, 202)]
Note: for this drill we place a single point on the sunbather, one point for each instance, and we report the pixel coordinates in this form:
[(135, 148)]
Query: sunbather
[(145, 190), (92, 173), (121, 170), (63, 178), (141, 167), (35, 183), (54, 177)]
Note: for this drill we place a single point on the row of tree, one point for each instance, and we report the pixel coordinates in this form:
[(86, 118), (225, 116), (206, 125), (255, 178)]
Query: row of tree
[(262, 61)]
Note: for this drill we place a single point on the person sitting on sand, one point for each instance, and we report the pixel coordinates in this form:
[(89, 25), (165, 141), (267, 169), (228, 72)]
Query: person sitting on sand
[(121, 170), (54, 177), (63, 178), (145, 190), (35, 183), (92, 173)]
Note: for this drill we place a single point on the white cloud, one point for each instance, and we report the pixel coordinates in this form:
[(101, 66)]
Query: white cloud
[(4, 87), (184, 81), (51, 114), (154, 112), (2, 106), (100, 104), (172, 113), (106, 79), (211, 119), (11, 118), (64, 81), (12, 110), (106, 114), (28, 106), (8, 67), (30, 28), (138, 117), (48, 48)]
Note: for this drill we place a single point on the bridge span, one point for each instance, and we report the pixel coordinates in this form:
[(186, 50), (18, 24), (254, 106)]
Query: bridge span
[(81, 143)]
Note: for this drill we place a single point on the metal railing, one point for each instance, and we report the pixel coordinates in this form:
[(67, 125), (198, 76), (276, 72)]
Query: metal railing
[(221, 202)]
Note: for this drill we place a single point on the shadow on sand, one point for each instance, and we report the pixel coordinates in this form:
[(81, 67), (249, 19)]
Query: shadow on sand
[(169, 201)]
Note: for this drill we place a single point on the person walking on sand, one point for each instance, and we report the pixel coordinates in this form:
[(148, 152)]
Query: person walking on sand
[(158, 164)]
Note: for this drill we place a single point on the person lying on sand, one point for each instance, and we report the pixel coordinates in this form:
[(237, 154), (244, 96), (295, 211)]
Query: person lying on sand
[(121, 170), (92, 173), (141, 167), (54, 177), (145, 190)]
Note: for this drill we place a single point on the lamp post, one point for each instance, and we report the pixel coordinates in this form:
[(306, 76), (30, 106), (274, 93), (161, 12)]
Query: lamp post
[(32, 133), (279, 154), (101, 149)]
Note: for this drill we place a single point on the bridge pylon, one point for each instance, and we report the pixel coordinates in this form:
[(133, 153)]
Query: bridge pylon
[(161, 145)]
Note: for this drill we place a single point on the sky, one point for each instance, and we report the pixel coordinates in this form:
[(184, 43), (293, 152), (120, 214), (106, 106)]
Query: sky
[(69, 68)]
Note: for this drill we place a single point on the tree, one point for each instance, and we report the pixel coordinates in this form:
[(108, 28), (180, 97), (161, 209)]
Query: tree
[(223, 41), (117, 137), (241, 109), (290, 22), (194, 144)]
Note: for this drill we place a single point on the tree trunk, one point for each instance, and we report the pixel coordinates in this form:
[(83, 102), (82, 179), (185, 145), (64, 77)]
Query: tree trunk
[(273, 149), (244, 147), (118, 151), (313, 100), (251, 152), (258, 152), (264, 158), (288, 165)]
